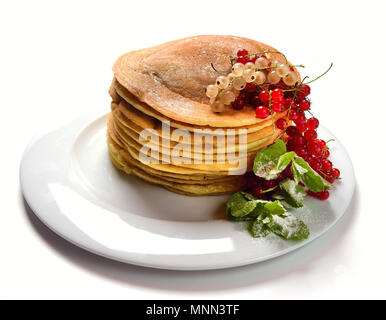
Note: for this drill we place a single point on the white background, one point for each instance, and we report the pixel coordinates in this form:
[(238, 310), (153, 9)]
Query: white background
[(55, 65)]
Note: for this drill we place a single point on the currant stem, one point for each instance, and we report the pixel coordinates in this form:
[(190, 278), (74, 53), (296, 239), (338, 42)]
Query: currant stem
[(270, 109), (329, 68), (269, 190), (223, 74), (292, 102), (325, 174), (254, 54)]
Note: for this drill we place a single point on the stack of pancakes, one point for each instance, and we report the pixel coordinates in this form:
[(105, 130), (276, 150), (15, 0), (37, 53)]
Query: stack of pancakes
[(163, 87)]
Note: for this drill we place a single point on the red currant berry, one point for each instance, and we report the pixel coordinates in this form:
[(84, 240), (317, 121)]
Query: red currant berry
[(315, 164), (289, 103), (256, 192), (326, 166), (301, 118), (329, 178), (291, 145), (301, 151), (255, 101), (312, 194), (323, 195), (277, 107), (252, 59), (287, 171), (321, 143), (250, 86), (242, 52), (252, 182), (277, 94), (304, 105), (264, 96), (292, 131), (335, 173), (262, 112), (305, 89), (314, 149), (280, 100), (239, 103), (300, 95), (281, 123), (268, 184), (308, 158), (325, 153), (300, 140), (310, 135), (293, 115), (242, 60), (301, 126), (282, 177), (312, 123)]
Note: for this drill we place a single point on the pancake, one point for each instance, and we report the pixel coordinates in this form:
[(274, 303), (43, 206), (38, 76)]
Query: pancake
[(172, 77), (131, 139), (123, 113), (186, 189), (158, 91), (199, 142), (139, 109), (224, 168), (207, 188), (183, 178)]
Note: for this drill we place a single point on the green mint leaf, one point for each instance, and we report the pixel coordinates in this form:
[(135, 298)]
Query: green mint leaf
[(304, 173), (267, 160), (283, 197), (285, 160), (244, 207), (248, 196), (248, 217), (296, 171), (238, 206), (293, 193), (289, 227), (275, 208), (259, 229)]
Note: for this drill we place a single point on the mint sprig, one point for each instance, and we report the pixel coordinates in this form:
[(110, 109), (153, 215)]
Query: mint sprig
[(273, 160), (266, 217), (272, 216)]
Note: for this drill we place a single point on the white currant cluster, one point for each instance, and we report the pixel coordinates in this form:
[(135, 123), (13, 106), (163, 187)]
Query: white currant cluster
[(227, 88)]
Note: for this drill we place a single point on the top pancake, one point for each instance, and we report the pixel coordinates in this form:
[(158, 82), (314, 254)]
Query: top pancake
[(172, 77)]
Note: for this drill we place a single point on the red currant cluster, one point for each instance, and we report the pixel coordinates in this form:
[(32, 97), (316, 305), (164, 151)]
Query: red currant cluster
[(242, 57), (303, 139), (266, 98)]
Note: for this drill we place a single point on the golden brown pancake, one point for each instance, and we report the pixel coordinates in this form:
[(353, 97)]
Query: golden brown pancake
[(172, 77), (188, 188), (163, 87)]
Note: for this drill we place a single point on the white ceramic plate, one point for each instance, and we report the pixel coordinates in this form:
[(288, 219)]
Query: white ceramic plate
[(70, 183)]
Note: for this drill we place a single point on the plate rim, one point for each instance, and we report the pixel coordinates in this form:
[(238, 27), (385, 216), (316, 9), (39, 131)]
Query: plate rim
[(85, 121)]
